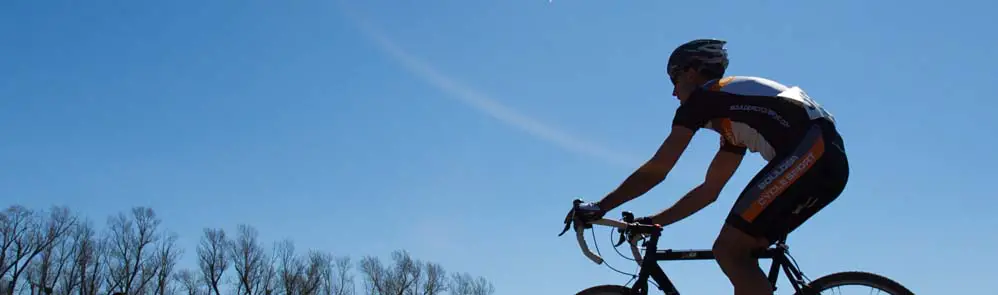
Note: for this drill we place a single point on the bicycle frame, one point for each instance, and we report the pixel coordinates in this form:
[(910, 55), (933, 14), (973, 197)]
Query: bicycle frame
[(651, 270)]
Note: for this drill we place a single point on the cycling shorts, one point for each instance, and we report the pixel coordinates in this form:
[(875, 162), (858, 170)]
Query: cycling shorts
[(793, 186)]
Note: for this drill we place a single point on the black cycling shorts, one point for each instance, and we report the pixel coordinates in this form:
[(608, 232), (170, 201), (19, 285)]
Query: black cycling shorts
[(793, 187)]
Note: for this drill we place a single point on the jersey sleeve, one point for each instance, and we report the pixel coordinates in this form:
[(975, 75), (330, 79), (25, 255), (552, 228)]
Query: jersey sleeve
[(694, 113)]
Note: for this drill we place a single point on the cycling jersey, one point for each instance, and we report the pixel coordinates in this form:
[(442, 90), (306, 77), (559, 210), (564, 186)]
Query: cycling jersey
[(751, 113), (807, 168)]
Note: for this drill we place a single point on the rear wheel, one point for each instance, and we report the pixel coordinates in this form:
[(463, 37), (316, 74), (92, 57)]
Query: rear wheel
[(834, 283), (606, 290)]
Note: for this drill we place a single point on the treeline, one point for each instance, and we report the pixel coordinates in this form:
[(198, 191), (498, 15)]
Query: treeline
[(56, 251)]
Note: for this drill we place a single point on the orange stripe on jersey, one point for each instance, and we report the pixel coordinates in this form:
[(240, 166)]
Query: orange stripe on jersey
[(726, 131), (721, 83), (780, 184)]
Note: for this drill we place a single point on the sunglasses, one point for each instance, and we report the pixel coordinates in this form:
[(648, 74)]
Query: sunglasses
[(674, 72), (673, 76)]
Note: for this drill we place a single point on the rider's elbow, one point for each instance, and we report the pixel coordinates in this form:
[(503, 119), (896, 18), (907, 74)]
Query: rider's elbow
[(708, 193), (710, 199)]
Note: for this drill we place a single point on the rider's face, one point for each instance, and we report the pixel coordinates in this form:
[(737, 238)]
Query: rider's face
[(683, 85)]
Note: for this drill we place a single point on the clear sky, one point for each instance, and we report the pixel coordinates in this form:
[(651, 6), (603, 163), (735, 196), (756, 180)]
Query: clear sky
[(462, 130)]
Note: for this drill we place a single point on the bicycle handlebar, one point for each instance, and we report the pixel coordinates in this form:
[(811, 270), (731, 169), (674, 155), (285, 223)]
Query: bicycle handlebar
[(633, 241), (629, 230)]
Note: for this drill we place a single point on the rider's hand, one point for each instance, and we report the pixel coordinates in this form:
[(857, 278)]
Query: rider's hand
[(587, 212), (646, 220)]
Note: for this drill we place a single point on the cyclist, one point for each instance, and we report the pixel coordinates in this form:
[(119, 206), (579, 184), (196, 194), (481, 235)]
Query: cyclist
[(807, 166)]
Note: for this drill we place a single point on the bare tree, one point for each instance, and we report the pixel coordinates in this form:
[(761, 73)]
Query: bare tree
[(248, 260), (402, 278), (327, 284), (310, 274), (336, 277), (167, 255), (344, 276), (212, 257), (268, 278), (406, 274), (188, 281), (132, 258), (72, 280), (15, 222), (465, 284), (26, 235), (289, 268), (45, 271), (54, 252), (435, 282), (89, 253), (68, 282), (375, 275), (318, 266)]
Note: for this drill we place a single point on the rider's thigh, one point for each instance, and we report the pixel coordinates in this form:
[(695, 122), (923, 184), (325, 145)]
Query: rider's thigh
[(791, 188), (733, 239), (826, 186)]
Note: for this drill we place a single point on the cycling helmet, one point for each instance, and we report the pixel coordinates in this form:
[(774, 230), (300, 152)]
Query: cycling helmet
[(706, 55)]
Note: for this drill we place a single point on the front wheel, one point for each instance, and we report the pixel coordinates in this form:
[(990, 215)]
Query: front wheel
[(855, 278), (606, 290)]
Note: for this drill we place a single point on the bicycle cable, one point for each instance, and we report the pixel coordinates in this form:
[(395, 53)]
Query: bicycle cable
[(618, 251), (596, 245), (633, 276), (631, 259), (794, 261)]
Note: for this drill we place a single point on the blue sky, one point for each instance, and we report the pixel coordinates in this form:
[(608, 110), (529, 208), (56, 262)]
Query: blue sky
[(462, 130)]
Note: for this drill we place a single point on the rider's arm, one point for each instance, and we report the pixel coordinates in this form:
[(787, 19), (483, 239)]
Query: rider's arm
[(653, 171), (721, 169)]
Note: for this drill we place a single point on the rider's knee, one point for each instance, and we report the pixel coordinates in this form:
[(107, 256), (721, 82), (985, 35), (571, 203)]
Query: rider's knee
[(725, 250)]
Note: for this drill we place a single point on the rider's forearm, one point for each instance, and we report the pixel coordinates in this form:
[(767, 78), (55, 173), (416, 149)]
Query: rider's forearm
[(648, 175), (640, 182), (693, 201)]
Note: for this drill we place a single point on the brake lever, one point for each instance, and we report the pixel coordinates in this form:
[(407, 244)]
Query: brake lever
[(571, 216), (628, 218), (567, 226)]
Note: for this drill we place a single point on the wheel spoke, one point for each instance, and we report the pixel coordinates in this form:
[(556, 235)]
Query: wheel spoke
[(854, 289), (852, 282)]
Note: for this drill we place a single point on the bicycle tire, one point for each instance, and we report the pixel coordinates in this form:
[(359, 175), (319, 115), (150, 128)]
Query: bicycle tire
[(855, 278), (606, 290)]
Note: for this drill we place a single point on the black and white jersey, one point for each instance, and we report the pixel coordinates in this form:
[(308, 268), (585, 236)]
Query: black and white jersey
[(751, 113)]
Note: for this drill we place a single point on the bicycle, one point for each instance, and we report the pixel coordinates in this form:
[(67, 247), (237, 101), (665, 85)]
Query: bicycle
[(649, 269)]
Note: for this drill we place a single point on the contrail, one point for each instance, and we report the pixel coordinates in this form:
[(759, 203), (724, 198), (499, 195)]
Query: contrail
[(482, 102)]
